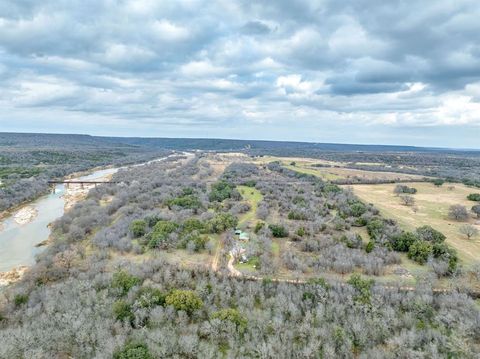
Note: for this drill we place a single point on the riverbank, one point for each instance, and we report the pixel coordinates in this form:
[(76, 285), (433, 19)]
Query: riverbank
[(12, 276), (25, 236), (76, 193)]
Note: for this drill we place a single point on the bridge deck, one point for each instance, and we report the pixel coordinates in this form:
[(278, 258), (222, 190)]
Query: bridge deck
[(79, 182)]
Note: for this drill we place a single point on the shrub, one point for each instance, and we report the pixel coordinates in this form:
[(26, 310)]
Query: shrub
[(438, 182), (220, 191), (402, 189), (363, 286), (357, 209), (122, 311), (319, 281), (258, 227), (427, 233), (278, 231), (360, 222), (124, 281), (420, 251), (249, 183), (194, 242), (148, 297), (185, 300), (188, 201), (160, 233), (193, 224), (231, 315), (20, 299), (375, 228), (402, 242), (222, 222), (370, 246), (138, 228), (332, 188), (352, 240), (300, 232), (297, 216), (474, 197), (133, 351), (447, 254), (476, 210)]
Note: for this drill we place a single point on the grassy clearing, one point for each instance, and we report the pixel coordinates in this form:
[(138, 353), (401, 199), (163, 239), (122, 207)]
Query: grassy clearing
[(336, 170), (249, 267), (321, 172), (275, 248), (253, 197), (433, 204), (338, 173)]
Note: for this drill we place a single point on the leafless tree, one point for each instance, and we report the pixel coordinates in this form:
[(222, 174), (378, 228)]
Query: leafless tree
[(468, 230), (407, 200), (458, 212)]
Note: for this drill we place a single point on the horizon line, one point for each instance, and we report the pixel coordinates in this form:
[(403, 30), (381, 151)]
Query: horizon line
[(463, 149)]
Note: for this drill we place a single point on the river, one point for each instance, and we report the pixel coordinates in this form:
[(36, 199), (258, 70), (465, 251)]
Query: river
[(18, 241)]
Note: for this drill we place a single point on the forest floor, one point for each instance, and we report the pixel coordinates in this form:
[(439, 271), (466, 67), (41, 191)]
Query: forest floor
[(432, 204)]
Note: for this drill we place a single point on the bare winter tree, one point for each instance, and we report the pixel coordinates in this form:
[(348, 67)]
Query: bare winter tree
[(476, 210), (468, 230), (458, 212), (407, 200)]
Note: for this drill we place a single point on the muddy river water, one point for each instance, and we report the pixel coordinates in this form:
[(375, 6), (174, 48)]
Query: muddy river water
[(18, 241)]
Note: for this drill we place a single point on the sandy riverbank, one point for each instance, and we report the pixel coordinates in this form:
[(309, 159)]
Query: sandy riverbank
[(25, 215), (12, 276), (76, 193)]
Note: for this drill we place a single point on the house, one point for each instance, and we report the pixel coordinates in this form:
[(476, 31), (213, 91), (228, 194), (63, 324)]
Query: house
[(243, 236)]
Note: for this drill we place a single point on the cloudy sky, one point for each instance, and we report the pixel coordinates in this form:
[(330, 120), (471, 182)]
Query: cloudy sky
[(376, 71)]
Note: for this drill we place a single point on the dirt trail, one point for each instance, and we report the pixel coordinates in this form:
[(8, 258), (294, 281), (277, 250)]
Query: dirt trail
[(233, 271), (216, 257)]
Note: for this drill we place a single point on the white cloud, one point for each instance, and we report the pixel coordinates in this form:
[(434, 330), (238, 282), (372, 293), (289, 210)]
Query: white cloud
[(201, 69), (294, 83), (232, 64), (121, 53), (169, 32)]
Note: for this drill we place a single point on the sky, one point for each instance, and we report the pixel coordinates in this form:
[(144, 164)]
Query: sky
[(371, 72)]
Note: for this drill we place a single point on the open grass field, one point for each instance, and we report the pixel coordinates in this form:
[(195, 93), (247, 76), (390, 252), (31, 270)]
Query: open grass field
[(252, 196), (433, 204), (322, 172), (336, 170), (343, 173)]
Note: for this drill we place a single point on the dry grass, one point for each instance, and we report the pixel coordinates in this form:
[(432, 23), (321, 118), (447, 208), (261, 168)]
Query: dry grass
[(337, 171), (433, 204)]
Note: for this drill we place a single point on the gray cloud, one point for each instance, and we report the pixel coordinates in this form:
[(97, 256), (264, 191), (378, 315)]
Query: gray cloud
[(262, 63), (256, 28)]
